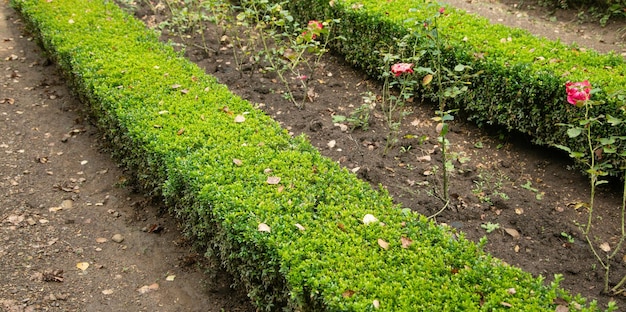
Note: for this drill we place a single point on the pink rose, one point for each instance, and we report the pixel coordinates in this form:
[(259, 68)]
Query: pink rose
[(315, 25), (401, 68), (442, 10), (578, 92)]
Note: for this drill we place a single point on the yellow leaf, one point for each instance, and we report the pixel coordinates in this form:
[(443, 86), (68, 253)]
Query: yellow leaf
[(427, 79), (82, 265)]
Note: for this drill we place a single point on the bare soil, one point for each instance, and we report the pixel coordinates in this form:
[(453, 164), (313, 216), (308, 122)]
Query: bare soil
[(64, 199)]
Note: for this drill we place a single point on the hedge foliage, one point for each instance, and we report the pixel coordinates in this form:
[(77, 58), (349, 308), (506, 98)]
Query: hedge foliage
[(286, 221), (521, 87)]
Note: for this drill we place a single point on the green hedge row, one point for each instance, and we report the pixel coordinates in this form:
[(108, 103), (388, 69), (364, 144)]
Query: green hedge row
[(286, 221), (522, 85)]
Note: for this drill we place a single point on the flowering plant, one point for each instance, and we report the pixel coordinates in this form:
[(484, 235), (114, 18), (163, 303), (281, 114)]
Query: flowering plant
[(313, 30), (401, 68), (578, 92)]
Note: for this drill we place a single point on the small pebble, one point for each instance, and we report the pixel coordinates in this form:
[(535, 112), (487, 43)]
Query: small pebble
[(118, 238)]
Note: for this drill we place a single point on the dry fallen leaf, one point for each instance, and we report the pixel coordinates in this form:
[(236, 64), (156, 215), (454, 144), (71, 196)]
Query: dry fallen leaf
[(376, 303), (348, 293), (605, 247), (273, 180), (423, 158), (368, 218), (170, 278), (513, 232), (82, 265), (240, 118), (15, 220), (311, 94), (263, 228), (10, 101), (299, 226), (561, 308), (146, 289), (406, 242), (383, 244), (237, 162)]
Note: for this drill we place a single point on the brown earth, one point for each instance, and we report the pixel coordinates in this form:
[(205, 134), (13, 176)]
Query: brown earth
[(64, 199)]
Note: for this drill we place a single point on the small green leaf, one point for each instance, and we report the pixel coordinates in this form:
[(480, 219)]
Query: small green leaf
[(609, 150), (563, 147), (606, 141), (613, 120), (459, 67), (339, 118), (574, 132)]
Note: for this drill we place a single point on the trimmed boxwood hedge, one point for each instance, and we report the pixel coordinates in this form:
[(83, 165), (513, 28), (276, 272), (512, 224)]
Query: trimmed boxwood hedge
[(298, 243), (521, 87)]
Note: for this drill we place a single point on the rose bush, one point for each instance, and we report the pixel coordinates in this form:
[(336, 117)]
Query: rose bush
[(401, 68), (578, 92)]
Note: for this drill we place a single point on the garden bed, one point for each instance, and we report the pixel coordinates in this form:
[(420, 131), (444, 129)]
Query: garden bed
[(406, 157), (503, 179)]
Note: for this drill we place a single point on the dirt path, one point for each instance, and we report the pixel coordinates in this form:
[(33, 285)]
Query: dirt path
[(63, 202), (563, 25)]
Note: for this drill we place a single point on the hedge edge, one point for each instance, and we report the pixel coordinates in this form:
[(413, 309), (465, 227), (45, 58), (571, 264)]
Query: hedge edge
[(284, 219), (522, 85)]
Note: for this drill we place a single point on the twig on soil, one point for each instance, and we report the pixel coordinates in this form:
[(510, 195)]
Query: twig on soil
[(441, 210)]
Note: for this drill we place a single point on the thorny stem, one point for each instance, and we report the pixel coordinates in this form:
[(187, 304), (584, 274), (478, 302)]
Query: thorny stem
[(594, 175), (278, 71), (593, 180), (393, 104), (621, 241), (442, 106)]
